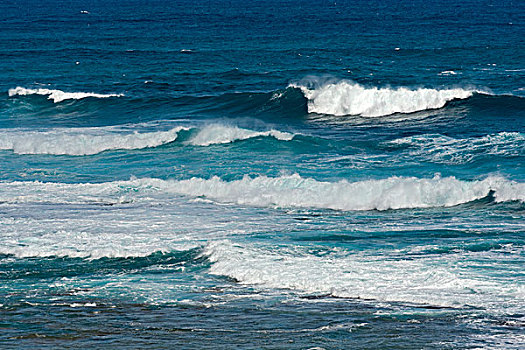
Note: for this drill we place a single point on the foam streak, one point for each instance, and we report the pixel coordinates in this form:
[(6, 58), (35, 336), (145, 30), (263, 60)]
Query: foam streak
[(57, 95)]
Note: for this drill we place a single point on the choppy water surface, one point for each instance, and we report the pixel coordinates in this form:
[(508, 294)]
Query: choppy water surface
[(270, 175)]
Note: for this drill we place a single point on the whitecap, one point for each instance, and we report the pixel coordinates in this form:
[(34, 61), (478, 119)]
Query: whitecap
[(287, 191), (220, 134), (346, 97), (89, 141), (448, 72), (57, 95), (434, 280), (82, 141)]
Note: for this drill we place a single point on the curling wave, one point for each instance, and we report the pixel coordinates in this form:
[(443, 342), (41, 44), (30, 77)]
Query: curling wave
[(349, 98), (57, 95), (284, 191)]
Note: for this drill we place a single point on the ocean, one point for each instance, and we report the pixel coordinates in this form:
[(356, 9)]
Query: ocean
[(262, 175)]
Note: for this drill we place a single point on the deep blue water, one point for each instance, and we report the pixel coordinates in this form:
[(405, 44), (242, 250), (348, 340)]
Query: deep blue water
[(277, 174)]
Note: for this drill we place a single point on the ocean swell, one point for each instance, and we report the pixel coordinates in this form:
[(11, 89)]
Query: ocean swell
[(350, 98)]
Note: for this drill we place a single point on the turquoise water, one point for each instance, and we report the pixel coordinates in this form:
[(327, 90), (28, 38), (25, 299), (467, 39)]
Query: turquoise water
[(271, 175)]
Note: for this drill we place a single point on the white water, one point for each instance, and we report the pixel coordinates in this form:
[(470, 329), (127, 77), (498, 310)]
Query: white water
[(57, 95), (290, 191), (88, 141), (83, 236), (390, 193), (444, 149), (438, 280), (350, 98), (220, 134), (150, 215), (81, 141)]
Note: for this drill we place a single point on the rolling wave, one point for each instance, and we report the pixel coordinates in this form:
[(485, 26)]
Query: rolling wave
[(349, 98), (57, 95), (390, 193), (345, 98), (81, 141), (334, 98), (284, 191), (89, 141)]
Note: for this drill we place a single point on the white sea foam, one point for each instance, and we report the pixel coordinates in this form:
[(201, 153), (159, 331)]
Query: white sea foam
[(144, 216), (284, 191), (57, 95), (349, 98), (444, 149), (82, 223), (66, 231), (81, 141), (432, 280), (219, 134), (87, 141), (448, 72), (391, 193)]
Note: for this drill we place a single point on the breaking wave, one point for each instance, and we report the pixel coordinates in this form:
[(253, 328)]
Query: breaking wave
[(284, 191), (57, 95), (89, 141), (82, 141), (391, 193), (350, 98), (219, 134), (337, 98)]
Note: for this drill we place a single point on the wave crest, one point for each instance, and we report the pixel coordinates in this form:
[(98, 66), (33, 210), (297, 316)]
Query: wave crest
[(391, 193), (82, 141), (57, 95), (349, 98), (89, 141), (284, 191), (220, 134), (444, 149)]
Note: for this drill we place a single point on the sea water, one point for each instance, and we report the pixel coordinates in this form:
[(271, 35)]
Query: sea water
[(268, 174)]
